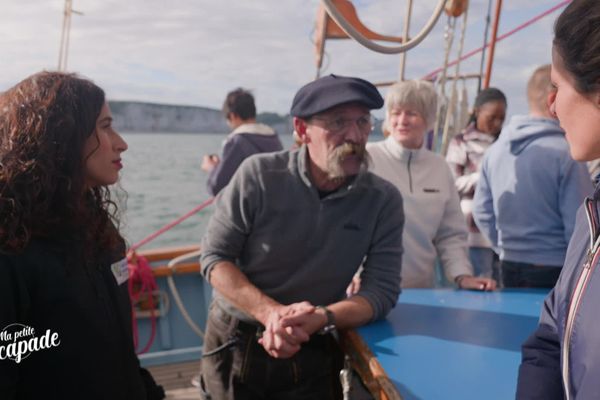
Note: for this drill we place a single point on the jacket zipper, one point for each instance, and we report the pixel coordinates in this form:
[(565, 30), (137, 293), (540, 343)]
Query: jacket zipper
[(409, 175), (586, 273)]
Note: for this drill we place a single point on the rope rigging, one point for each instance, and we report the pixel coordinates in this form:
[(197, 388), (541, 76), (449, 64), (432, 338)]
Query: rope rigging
[(520, 27), (443, 100), (447, 106), (450, 114)]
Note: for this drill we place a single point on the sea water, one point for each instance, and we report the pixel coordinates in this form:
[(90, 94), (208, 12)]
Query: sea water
[(162, 180)]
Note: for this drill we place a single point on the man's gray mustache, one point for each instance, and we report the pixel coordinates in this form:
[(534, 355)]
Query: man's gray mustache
[(347, 149)]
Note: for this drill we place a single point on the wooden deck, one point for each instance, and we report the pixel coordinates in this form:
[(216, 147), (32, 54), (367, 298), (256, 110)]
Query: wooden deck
[(183, 394), (176, 379)]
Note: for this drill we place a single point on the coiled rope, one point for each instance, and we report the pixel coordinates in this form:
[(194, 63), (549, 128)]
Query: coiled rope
[(141, 285)]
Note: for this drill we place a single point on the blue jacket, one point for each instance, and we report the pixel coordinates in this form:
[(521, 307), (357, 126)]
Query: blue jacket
[(577, 293), (529, 192)]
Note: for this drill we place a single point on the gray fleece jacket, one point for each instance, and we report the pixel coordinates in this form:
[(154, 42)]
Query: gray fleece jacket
[(295, 246)]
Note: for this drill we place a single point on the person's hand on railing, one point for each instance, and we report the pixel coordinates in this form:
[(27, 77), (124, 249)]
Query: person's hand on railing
[(475, 283)]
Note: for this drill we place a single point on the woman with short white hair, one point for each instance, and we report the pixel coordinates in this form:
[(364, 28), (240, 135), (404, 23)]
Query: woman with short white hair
[(435, 225)]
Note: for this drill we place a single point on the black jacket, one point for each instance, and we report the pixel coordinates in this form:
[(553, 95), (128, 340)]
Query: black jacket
[(49, 287)]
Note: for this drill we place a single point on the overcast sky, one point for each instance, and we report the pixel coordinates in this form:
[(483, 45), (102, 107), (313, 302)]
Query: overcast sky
[(193, 52)]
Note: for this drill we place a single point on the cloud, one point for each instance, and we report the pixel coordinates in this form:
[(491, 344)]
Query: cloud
[(194, 51)]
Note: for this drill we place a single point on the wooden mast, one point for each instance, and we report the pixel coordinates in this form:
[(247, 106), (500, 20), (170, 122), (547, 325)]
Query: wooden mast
[(490, 61), (63, 53)]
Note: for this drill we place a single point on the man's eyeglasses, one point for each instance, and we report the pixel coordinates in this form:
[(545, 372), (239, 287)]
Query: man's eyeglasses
[(341, 124)]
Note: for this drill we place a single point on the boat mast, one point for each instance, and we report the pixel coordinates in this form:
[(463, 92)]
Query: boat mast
[(65, 35), (488, 72), (485, 44)]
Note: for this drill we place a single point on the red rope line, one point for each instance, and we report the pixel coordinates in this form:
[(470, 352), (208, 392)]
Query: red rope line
[(141, 281), (171, 224), (524, 25)]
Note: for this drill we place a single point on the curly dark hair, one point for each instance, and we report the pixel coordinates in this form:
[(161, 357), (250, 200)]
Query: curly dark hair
[(44, 123)]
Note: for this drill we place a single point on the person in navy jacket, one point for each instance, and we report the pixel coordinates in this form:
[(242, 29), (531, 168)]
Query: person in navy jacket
[(247, 138)]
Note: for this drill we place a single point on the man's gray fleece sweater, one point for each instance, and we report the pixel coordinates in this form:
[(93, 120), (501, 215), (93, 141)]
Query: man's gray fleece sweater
[(295, 246)]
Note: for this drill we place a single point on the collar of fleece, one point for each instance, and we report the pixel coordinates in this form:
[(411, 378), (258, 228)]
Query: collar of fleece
[(254, 128)]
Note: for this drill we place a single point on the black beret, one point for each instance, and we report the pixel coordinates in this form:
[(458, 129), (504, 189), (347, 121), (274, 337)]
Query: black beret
[(334, 90)]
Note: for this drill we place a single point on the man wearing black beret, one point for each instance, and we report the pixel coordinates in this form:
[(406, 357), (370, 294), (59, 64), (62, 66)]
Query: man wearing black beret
[(287, 235)]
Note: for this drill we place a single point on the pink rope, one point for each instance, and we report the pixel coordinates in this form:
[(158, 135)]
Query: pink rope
[(524, 25), (140, 275), (171, 224)]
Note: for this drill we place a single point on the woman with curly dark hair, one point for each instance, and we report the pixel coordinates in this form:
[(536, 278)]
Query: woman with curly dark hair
[(65, 322)]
